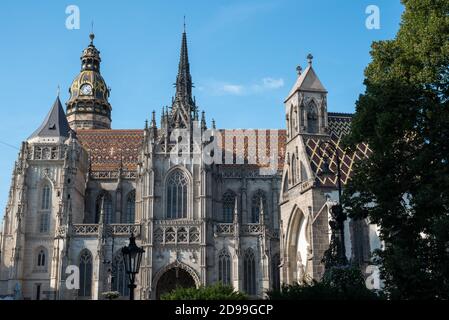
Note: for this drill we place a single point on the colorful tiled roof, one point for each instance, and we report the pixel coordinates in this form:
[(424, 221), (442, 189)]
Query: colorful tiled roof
[(110, 149), (250, 141), (318, 150)]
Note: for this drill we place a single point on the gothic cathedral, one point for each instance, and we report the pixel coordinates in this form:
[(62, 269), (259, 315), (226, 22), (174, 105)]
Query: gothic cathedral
[(79, 189)]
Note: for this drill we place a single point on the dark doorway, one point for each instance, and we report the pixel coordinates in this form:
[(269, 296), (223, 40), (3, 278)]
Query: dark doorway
[(38, 292), (172, 279)]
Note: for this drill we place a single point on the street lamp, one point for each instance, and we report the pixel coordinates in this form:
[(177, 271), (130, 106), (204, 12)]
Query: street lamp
[(338, 215), (132, 256)]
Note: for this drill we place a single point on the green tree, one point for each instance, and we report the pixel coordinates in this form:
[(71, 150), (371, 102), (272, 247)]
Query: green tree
[(404, 185), (214, 292), (338, 283)]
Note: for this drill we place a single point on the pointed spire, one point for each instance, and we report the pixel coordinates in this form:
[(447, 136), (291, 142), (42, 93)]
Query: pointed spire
[(203, 121), (153, 119), (55, 124), (213, 124), (184, 79)]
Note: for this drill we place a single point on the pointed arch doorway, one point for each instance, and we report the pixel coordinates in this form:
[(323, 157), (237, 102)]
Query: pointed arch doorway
[(176, 275)]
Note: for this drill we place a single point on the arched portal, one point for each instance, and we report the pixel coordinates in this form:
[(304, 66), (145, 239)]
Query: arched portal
[(174, 276), (297, 247)]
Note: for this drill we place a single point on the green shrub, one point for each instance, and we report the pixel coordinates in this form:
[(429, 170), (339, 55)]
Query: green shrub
[(214, 292)]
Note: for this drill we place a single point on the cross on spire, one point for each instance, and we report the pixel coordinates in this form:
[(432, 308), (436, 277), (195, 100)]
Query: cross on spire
[(310, 59)]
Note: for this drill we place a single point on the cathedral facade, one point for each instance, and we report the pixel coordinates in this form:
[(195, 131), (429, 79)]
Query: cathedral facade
[(79, 189)]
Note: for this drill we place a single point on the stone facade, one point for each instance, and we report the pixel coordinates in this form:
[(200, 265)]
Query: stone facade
[(79, 189)]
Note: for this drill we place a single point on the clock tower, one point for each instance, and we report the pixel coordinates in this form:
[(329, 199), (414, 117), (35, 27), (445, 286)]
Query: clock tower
[(88, 106)]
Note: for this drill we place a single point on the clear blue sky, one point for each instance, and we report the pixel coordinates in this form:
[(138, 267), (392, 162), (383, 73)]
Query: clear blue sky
[(243, 57)]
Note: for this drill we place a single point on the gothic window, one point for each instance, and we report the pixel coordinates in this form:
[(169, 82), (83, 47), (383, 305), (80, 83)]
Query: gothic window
[(293, 170), (228, 206), (312, 118), (119, 276), (249, 273), (255, 206), (275, 272), (194, 235), (130, 211), (104, 203), (45, 200), (177, 195), (224, 267), (44, 223), (41, 258), (85, 267), (302, 115)]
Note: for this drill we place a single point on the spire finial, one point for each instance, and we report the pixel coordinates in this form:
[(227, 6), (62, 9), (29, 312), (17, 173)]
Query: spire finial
[(92, 35), (58, 91), (299, 70), (310, 59), (184, 24)]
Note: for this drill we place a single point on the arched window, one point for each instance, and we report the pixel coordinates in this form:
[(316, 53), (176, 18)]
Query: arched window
[(177, 195), (224, 267), (119, 280), (275, 272), (104, 203), (41, 258), (293, 170), (255, 206), (130, 211), (249, 273), (46, 197), (312, 118), (85, 266), (228, 206)]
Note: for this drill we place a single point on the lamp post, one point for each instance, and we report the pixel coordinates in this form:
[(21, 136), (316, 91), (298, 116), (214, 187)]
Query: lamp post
[(338, 215), (132, 256)]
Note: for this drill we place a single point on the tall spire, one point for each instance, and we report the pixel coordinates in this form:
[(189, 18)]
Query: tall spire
[(184, 79), (183, 109)]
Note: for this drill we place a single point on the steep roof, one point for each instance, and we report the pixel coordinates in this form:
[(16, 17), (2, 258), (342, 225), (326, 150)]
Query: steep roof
[(339, 126), (307, 81), (55, 123), (111, 149)]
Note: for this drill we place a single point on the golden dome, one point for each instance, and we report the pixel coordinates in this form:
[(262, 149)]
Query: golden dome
[(88, 105)]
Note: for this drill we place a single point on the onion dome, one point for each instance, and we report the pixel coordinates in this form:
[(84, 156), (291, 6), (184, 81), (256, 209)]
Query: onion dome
[(88, 106)]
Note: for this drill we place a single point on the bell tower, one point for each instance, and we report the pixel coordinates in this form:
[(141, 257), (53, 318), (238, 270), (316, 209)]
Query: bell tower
[(88, 106), (306, 104)]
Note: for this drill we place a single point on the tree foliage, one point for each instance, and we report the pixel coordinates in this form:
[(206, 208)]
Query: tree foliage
[(214, 292), (338, 283), (404, 185)]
